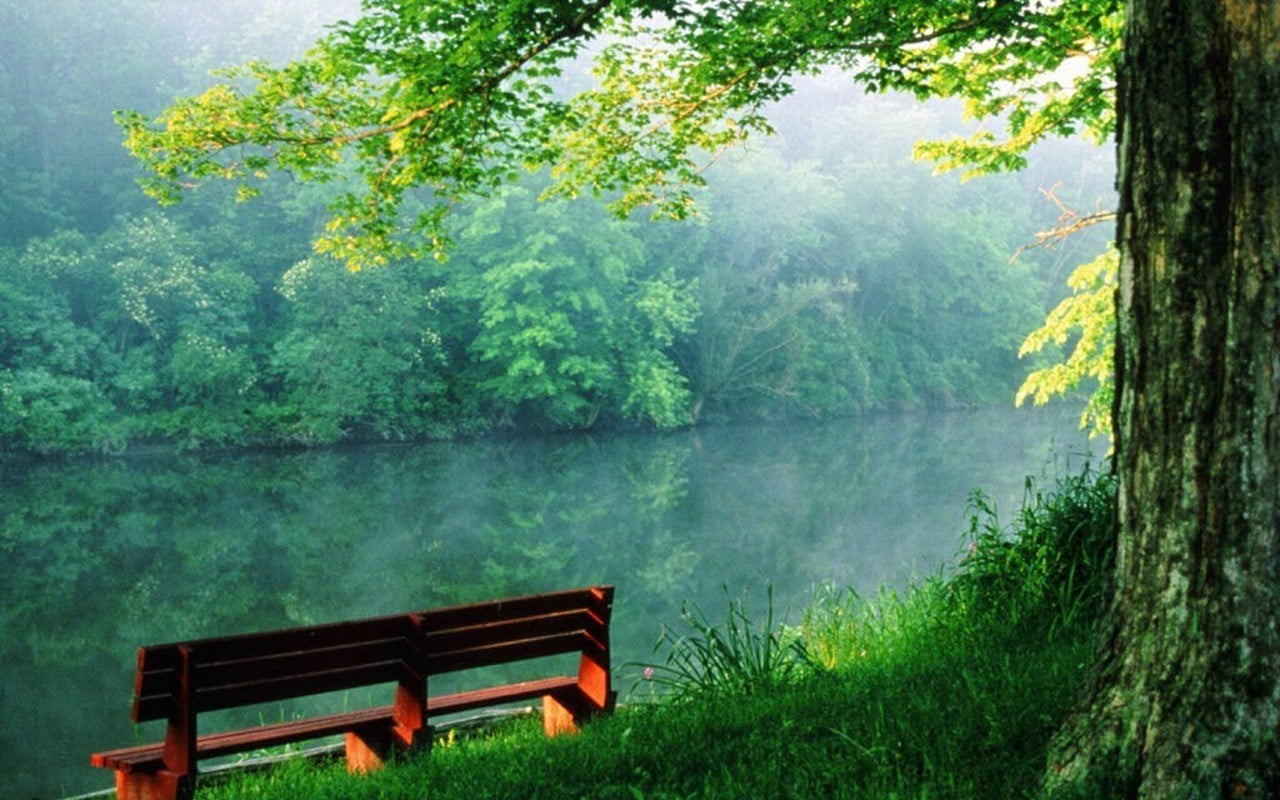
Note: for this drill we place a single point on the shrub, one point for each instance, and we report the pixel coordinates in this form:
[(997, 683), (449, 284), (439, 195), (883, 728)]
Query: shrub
[(1056, 558), (737, 658)]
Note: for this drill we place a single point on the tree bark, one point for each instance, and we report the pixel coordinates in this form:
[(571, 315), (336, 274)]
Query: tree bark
[(1186, 700)]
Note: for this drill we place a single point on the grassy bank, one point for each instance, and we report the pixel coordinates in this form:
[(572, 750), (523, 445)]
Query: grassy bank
[(950, 689)]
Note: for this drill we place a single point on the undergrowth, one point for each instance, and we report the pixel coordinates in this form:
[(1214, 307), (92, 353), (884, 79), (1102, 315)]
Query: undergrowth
[(950, 689), (738, 659)]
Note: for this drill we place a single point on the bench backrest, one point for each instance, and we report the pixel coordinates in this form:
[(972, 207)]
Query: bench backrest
[(519, 628), (502, 631), (265, 667), (232, 671)]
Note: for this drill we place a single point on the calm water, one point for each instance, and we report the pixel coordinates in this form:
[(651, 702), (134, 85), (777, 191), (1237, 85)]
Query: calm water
[(100, 557)]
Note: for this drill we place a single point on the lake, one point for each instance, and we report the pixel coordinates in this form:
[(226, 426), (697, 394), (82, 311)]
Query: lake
[(101, 556)]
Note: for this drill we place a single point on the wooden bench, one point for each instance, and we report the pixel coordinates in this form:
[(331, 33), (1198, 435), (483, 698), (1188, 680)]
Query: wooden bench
[(177, 682)]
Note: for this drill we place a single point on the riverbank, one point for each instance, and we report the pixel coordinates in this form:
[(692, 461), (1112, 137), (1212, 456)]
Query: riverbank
[(130, 551), (950, 689)]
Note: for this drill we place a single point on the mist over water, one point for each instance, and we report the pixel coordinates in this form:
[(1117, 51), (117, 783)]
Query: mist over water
[(917, 308), (103, 556)]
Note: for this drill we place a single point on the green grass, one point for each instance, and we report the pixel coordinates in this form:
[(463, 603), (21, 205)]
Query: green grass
[(948, 690)]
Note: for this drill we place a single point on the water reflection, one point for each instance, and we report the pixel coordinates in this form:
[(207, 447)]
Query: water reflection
[(100, 557)]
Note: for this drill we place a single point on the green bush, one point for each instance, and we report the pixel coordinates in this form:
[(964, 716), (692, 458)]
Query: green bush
[(1056, 559), (736, 659)]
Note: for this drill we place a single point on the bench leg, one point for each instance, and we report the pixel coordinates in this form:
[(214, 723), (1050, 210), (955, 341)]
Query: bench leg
[(366, 751), (565, 712), (370, 749), (153, 786), (557, 718)]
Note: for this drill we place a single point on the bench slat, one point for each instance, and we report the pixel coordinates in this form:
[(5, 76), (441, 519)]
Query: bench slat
[(479, 698), (158, 665), (292, 686), (285, 640), (215, 673), (508, 652), (284, 687), (530, 627), (510, 608), (226, 673)]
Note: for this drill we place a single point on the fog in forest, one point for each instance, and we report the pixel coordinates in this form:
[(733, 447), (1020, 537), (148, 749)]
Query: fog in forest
[(805, 380), (827, 274)]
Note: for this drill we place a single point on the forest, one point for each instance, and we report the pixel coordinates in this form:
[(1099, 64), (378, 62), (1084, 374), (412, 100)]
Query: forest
[(825, 273), (819, 271)]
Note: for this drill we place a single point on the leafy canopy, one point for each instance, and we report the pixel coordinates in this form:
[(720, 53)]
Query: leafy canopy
[(1088, 315), (429, 102)]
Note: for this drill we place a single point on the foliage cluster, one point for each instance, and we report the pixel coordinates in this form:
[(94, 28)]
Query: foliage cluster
[(826, 274), (809, 289), (456, 98), (949, 690), (1087, 316)]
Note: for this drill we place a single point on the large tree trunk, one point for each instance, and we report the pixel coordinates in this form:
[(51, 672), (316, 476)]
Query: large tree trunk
[(1187, 698)]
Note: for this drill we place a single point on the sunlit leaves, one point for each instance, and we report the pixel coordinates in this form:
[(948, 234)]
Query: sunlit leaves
[(1055, 79), (433, 96), (648, 127), (437, 101), (1088, 316)]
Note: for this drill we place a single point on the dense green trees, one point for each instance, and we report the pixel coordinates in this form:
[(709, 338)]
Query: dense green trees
[(807, 289), (563, 315), (826, 274), (356, 355)]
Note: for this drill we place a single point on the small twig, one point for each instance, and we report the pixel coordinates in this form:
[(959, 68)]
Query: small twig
[(1070, 222)]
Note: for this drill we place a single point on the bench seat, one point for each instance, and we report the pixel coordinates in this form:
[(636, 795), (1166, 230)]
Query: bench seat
[(150, 757), (511, 693)]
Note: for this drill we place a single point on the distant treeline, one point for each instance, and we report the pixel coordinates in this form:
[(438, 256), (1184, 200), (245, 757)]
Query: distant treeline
[(828, 274)]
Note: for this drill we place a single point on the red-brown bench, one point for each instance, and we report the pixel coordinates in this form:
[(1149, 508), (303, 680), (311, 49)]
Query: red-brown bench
[(178, 682)]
